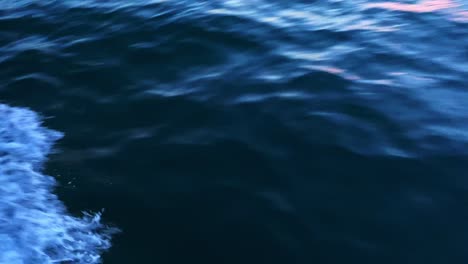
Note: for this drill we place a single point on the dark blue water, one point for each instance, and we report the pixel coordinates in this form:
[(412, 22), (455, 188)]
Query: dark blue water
[(233, 131)]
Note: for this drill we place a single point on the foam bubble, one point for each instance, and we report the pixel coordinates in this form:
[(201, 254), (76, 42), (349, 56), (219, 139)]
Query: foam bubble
[(34, 224)]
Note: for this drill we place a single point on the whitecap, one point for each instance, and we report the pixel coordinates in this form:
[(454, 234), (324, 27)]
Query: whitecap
[(35, 226)]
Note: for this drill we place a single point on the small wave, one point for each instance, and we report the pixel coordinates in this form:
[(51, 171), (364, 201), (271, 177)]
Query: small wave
[(34, 225)]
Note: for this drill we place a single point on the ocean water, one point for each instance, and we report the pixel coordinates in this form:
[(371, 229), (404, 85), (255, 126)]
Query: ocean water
[(233, 131)]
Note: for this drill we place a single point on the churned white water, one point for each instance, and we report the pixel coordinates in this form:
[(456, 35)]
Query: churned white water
[(34, 224)]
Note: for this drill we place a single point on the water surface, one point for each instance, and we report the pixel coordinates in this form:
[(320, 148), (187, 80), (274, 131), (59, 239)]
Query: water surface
[(234, 131)]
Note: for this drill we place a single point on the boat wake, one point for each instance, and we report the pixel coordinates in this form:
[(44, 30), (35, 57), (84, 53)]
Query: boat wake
[(34, 224)]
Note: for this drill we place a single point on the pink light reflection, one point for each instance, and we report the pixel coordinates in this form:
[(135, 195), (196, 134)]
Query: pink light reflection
[(461, 16), (421, 7), (334, 70), (329, 69)]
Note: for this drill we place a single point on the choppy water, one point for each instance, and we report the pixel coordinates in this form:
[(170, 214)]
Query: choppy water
[(234, 131), (34, 226)]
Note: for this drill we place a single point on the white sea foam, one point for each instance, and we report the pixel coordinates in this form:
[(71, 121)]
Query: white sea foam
[(35, 227)]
